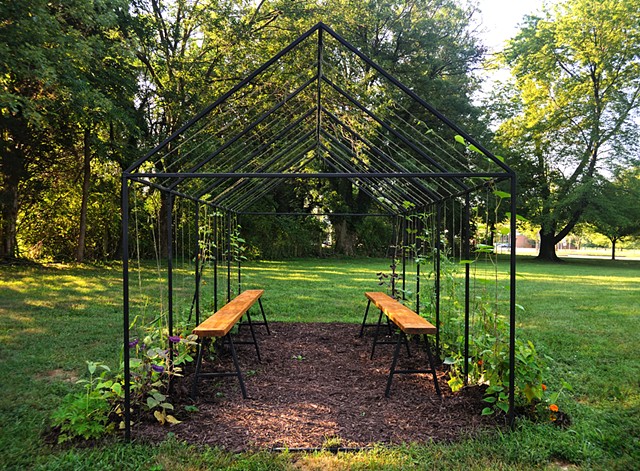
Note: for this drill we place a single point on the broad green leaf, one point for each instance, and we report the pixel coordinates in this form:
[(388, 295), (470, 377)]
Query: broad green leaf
[(518, 217), (475, 149)]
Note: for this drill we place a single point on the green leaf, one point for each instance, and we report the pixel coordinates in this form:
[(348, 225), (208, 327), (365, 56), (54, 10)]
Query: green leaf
[(483, 248), (487, 411), (151, 402), (460, 139), (502, 194), (518, 217), (158, 396), (475, 149)]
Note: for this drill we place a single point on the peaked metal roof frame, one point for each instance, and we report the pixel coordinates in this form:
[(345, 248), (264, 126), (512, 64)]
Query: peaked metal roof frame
[(321, 126)]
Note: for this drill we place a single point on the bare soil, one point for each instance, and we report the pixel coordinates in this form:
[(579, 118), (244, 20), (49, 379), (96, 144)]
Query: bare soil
[(317, 387)]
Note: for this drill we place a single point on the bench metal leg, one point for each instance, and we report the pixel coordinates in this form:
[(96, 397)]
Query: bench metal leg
[(394, 363), (393, 371), (196, 377), (253, 336), (264, 317), (237, 365), (364, 320), (375, 337), (432, 365)]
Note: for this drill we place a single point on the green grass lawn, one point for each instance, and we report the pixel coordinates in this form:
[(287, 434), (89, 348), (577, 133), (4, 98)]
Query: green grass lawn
[(584, 314)]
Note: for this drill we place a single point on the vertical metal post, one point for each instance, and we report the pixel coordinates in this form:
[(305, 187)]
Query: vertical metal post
[(512, 307), (228, 257), (319, 90), (125, 307), (215, 261), (239, 261), (418, 257), (393, 257), (170, 269), (197, 264), (467, 278), (437, 239), (404, 257)]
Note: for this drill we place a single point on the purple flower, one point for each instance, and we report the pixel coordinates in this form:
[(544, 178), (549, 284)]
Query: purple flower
[(174, 338), (133, 343), (157, 368)]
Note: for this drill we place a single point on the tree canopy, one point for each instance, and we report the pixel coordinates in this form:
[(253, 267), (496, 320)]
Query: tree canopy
[(87, 87), (572, 111)]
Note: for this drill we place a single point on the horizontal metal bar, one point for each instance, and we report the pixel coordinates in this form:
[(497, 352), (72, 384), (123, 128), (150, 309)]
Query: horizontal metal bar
[(213, 375), (395, 372), (266, 213), (321, 175)]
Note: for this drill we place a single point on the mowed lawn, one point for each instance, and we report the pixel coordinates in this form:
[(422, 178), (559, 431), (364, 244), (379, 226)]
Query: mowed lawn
[(583, 314)]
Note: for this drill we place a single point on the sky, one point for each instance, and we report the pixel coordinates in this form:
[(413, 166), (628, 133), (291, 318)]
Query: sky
[(500, 19)]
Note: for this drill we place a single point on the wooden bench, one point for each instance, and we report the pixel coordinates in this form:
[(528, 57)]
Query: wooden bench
[(408, 323), (219, 325)]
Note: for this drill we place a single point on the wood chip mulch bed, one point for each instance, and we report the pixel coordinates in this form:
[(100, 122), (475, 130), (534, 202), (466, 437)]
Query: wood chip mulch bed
[(315, 387)]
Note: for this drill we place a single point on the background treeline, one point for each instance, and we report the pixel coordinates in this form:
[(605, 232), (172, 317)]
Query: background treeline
[(89, 86)]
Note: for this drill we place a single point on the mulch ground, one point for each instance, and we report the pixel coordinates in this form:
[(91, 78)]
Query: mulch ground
[(316, 385)]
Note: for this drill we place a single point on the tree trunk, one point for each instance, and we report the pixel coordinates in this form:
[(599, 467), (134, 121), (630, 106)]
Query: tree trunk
[(12, 167), (613, 249), (86, 181), (8, 230), (345, 238), (548, 247)]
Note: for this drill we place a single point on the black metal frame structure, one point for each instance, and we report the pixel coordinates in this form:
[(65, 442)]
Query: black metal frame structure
[(333, 113)]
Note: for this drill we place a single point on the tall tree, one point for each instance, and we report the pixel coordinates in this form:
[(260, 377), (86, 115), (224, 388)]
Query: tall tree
[(577, 79), (64, 78), (615, 211)]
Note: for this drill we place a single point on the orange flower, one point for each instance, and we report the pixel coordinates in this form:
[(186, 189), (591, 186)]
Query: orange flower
[(480, 362), (553, 408), (544, 387)]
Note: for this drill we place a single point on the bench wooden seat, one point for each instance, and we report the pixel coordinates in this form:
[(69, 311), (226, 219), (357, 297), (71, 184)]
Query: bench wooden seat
[(406, 320), (408, 323), (220, 324)]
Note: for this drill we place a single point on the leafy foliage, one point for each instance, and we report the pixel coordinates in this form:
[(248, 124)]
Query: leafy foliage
[(572, 107), (99, 409)]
